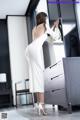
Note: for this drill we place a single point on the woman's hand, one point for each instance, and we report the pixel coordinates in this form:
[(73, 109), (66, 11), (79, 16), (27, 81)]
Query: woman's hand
[(56, 23)]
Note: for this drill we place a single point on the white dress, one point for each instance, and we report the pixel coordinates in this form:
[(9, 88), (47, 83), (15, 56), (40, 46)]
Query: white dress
[(34, 56)]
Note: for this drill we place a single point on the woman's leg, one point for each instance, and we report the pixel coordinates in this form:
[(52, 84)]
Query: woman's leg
[(40, 100), (40, 97), (37, 95)]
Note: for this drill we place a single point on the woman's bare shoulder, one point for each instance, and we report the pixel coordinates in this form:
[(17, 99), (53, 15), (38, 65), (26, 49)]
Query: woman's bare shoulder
[(38, 26)]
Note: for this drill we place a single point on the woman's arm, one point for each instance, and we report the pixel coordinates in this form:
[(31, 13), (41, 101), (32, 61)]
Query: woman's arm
[(53, 32), (55, 25)]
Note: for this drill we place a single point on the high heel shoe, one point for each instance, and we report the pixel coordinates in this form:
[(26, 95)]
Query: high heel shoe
[(41, 109)]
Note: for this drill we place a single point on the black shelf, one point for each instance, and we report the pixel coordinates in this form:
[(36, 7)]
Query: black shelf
[(6, 87)]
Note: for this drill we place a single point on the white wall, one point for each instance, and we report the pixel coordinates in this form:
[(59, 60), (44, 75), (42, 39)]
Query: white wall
[(18, 40), (42, 6)]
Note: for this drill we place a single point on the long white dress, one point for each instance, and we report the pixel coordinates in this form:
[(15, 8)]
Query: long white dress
[(34, 56)]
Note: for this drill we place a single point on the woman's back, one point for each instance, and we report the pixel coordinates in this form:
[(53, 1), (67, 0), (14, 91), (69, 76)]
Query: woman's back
[(38, 31)]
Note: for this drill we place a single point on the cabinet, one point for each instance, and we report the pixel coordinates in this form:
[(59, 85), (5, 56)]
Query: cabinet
[(5, 87), (62, 83), (5, 95)]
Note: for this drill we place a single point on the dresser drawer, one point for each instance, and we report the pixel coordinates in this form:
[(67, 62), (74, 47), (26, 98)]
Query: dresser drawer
[(54, 70), (55, 83), (57, 97)]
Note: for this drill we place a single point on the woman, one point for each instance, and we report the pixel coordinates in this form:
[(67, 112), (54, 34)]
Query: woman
[(34, 55)]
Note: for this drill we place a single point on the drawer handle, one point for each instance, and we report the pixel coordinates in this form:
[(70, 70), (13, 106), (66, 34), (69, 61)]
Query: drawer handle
[(54, 64), (56, 76), (57, 89)]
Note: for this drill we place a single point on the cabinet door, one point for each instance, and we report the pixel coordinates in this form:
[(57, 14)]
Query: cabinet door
[(72, 79)]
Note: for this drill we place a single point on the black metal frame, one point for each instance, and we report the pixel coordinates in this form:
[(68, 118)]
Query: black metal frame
[(32, 5), (30, 17), (23, 92)]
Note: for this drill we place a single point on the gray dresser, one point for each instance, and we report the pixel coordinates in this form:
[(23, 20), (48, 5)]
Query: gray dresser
[(62, 83)]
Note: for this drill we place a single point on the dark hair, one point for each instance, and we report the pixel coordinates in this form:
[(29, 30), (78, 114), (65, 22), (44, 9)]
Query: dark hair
[(41, 18)]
